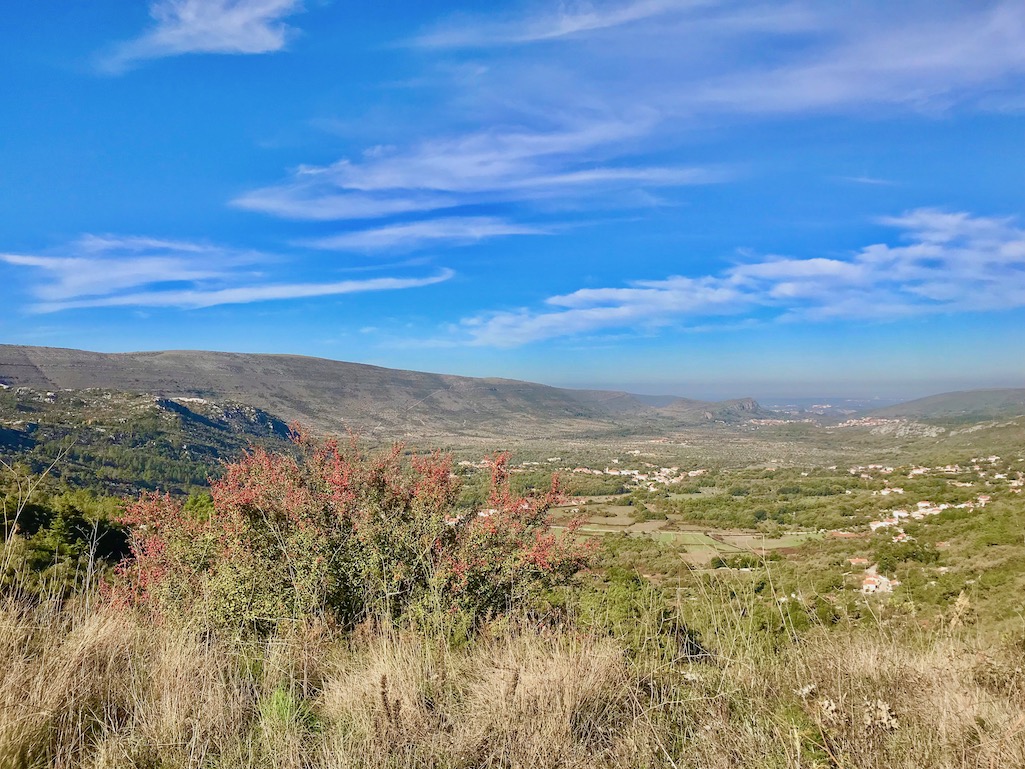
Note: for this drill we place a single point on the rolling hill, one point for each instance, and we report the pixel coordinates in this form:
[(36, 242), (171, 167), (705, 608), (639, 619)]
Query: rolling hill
[(333, 396), (970, 404)]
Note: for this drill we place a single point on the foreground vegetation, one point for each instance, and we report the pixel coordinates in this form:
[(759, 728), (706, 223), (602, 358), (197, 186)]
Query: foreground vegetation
[(333, 607), (98, 687)]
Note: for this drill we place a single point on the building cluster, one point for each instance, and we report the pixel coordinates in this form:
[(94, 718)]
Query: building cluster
[(650, 477), (924, 509), (982, 467), (866, 422), (888, 491), (877, 583), (865, 471)]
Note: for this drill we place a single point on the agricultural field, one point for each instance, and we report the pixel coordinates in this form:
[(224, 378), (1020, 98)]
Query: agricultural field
[(914, 522)]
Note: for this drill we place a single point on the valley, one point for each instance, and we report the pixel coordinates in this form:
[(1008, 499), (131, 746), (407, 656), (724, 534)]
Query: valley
[(769, 561), (797, 492)]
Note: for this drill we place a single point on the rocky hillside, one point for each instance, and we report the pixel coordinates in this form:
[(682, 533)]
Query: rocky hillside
[(121, 442)]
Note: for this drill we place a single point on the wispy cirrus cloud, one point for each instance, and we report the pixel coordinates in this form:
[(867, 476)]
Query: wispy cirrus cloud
[(944, 262), (412, 235), (696, 58), (107, 265), (872, 181), (918, 60), (112, 271), (550, 25), (207, 26), (488, 166), (200, 298)]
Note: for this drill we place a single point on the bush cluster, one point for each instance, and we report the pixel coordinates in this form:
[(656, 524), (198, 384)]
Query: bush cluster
[(333, 532)]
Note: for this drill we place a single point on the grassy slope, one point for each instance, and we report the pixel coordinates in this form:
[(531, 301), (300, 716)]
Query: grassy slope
[(87, 688)]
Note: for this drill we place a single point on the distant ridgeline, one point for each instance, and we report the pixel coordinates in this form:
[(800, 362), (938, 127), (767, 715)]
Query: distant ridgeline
[(333, 396), (969, 406)]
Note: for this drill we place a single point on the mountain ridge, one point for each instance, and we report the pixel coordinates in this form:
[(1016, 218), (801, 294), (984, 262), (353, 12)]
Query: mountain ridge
[(331, 396), (976, 404)]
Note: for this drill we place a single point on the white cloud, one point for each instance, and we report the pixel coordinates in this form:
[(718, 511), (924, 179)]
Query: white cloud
[(950, 262), (916, 58), (208, 26), (488, 166), (99, 265), (454, 230), (930, 225), (77, 276), (565, 22), (869, 180), (815, 268), (196, 298), (112, 271), (648, 304), (129, 243), (720, 57), (322, 202)]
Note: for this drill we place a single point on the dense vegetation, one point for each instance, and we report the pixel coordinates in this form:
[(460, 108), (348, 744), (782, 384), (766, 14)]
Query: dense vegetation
[(118, 443), (335, 534), (55, 542)]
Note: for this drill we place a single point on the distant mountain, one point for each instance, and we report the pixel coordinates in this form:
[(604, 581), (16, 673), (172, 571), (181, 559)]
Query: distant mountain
[(970, 404), (333, 396), (688, 410)]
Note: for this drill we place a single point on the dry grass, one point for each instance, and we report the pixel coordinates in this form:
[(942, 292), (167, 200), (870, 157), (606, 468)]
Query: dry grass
[(98, 689), (531, 701), (915, 702)]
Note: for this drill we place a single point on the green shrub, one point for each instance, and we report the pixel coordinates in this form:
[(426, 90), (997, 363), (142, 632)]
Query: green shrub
[(339, 534)]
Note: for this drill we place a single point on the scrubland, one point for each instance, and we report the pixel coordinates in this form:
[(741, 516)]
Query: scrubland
[(341, 609), (87, 686)]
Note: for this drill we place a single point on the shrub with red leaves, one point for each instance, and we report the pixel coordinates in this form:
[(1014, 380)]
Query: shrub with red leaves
[(337, 533)]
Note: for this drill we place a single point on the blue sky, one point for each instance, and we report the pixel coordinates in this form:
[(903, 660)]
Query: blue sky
[(704, 198)]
